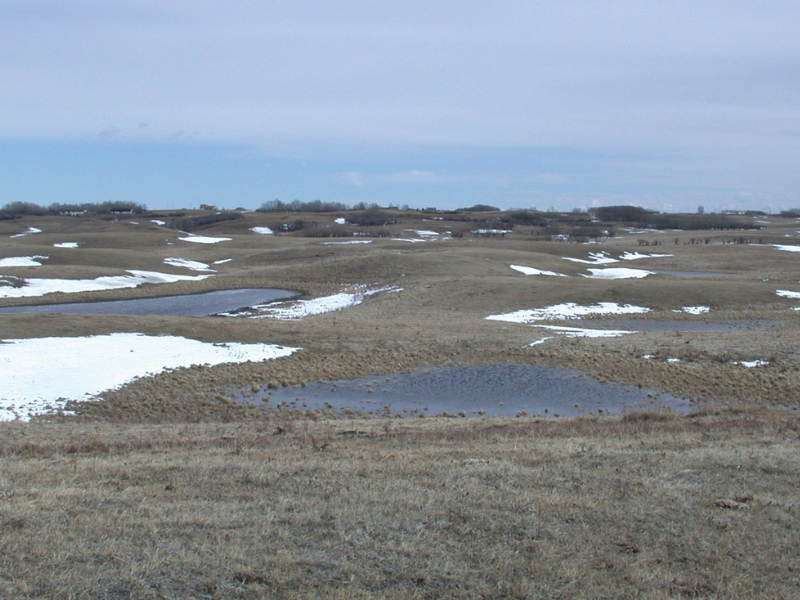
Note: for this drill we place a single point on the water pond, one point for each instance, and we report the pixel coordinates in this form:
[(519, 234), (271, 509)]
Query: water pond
[(187, 305), (501, 390)]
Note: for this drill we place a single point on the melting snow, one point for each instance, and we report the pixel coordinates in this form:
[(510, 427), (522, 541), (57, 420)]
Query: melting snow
[(157, 222), (294, 310), (201, 239), (595, 258), (788, 294), (40, 287), (347, 242), (617, 273), (66, 245), (532, 271), (223, 261), (28, 231), (568, 310), (638, 255), (750, 364), (581, 332), (694, 310), (340, 221), (40, 374), (423, 232), (23, 261), (787, 248), (188, 264), (262, 230)]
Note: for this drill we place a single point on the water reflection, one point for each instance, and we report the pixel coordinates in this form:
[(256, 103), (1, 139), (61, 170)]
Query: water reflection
[(187, 305)]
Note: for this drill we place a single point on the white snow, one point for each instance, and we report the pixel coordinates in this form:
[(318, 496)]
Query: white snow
[(347, 242), (157, 222), (582, 332), (41, 374), (28, 231), (40, 287), (787, 248), (223, 261), (491, 231), (694, 310), (298, 309), (788, 294), (540, 341), (202, 239), (412, 240), (340, 221), (638, 255), (193, 265), (568, 310), (531, 271), (262, 230), (595, 258), (66, 245), (23, 261), (750, 364), (423, 232), (617, 273)]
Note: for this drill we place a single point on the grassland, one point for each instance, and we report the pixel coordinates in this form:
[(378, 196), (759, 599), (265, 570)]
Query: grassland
[(168, 489)]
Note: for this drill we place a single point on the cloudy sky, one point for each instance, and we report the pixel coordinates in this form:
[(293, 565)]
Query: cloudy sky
[(172, 103)]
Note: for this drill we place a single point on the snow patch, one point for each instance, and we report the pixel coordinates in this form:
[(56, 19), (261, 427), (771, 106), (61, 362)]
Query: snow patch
[(66, 245), (158, 222), (751, 364), (202, 239), (595, 258), (262, 230), (694, 310), (27, 288), (299, 309), (222, 262), (531, 271), (340, 221), (192, 265), (41, 374), (638, 255), (347, 242), (788, 294), (787, 248), (582, 332), (23, 261), (568, 310), (617, 273), (29, 231)]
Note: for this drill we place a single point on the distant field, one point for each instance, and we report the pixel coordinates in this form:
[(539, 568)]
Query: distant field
[(168, 488)]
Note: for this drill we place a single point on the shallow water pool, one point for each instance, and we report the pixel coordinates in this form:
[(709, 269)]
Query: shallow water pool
[(187, 305), (501, 390)]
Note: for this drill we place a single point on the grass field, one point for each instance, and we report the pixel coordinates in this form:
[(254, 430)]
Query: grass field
[(167, 488)]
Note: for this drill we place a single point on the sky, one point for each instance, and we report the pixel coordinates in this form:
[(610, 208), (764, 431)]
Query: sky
[(670, 105)]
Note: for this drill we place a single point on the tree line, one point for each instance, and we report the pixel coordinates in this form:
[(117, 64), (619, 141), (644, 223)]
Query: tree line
[(14, 210)]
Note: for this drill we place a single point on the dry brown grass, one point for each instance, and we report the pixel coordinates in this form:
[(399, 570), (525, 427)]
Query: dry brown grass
[(645, 506)]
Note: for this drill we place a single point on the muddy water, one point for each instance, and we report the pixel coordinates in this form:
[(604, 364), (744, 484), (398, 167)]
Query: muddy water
[(502, 390), (188, 305)]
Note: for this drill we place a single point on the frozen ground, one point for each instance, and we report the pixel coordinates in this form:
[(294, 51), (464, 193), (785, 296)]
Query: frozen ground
[(14, 287), (39, 375)]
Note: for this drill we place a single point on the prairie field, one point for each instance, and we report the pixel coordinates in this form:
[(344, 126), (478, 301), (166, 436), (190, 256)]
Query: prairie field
[(166, 486)]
